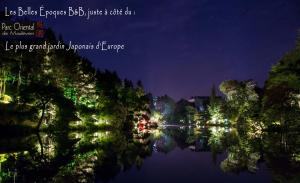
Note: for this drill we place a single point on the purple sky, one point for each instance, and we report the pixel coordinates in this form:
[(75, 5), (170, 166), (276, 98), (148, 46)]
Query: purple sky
[(183, 47)]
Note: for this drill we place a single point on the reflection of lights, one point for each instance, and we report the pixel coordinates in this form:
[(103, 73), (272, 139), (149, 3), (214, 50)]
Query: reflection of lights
[(192, 148)]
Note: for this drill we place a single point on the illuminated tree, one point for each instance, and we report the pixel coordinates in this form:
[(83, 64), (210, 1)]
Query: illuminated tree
[(3, 80), (242, 100), (282, 92), (41, 95), (68, 75)]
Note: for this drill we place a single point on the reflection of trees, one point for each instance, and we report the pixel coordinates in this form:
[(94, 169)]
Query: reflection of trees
[(74, 157), (120, 155), (164, 144), (281, 150), (183, 136), (240, 157), (282, 155), (165, 140), (40, 159), (216, 135), (104, 154), (243, 153)]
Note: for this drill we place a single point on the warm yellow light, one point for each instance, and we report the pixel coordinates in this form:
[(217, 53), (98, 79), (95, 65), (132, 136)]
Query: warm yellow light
[(6, 99)]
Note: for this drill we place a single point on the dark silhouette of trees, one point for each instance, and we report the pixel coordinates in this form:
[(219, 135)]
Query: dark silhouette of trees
[(281, 102)]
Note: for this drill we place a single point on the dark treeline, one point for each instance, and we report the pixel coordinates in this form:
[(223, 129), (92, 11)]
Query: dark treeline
[(41, 88), (275, 106), (244, 104)]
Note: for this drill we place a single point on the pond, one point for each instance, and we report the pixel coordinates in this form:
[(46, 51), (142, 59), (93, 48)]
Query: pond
[(167, 154)]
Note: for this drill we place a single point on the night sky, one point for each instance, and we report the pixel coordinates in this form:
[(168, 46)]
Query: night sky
[(183, 47)]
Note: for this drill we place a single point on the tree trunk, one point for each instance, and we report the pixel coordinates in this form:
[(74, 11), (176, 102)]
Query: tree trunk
[(42, 117), (19, 75), (41, 145), (2, 83)]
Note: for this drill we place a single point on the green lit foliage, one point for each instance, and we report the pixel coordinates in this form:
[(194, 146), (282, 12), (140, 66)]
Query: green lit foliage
[(216, 109), (242, 100), (74, 78), (239, 158), (42, 96), (5, 174), (282, 91), (156, 117), (217, 115), (7, 75), (104, 153), (243, 153), (3, 80), (70, 93), (215, 139), (192, 114)]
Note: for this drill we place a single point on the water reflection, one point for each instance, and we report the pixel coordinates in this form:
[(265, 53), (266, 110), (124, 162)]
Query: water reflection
[(104, 156)]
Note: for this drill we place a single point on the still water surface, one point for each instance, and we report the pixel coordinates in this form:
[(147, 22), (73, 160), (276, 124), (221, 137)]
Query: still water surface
[(176, 158), (169, 154)]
